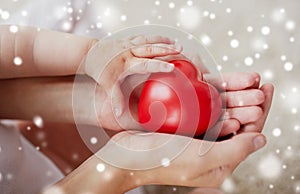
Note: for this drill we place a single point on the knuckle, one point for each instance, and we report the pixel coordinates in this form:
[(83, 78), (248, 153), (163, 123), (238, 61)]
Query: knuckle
[(259, 96), (248, 82), (127, 54), (218, 175), (144, 65), (125, 63), (257, 112), (232, 99), (149, 49)]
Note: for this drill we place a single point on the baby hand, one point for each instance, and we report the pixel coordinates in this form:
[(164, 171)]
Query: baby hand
[(110, 62)]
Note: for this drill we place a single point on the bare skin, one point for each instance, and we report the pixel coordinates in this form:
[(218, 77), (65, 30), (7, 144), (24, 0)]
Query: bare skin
[(59, 151), (37, 87)]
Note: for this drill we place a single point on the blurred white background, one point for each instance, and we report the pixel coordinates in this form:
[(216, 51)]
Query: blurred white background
[(256, 35)]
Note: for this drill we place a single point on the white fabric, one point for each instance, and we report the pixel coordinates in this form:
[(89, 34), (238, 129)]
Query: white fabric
[(23, 169)]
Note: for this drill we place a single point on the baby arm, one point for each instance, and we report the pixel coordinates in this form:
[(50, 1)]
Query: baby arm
[(40, 52), (49, 53)]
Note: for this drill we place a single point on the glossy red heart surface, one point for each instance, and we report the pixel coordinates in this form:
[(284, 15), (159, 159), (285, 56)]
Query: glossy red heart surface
[(178, 103)]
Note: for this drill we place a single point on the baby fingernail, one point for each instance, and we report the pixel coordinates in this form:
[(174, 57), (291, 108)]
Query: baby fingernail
[(259, 142), (169, 66)]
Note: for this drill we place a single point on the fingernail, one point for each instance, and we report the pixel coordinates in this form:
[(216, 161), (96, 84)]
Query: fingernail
[(117, 112), (259, 142), (169, 67)]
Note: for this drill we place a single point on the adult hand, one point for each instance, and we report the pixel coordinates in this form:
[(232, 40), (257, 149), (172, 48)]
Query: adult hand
[(188, 168), (247, 106), (256, 126), (242, 101), (238, 148)]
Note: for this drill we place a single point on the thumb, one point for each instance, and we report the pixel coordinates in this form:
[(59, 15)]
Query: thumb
[(241, 146)]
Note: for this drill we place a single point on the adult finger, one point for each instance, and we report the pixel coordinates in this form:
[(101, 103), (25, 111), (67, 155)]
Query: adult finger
[(251, 97), (256, 84), (223, 128), (233, 151), (218, 159), (233, 81), (243, 114), (268, 90), (156, 50)]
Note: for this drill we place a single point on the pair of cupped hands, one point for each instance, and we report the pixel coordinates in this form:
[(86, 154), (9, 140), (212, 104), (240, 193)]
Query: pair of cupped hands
[(114, 64)]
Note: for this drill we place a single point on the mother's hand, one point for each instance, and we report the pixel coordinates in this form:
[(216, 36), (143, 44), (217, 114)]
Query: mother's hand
[(246, 105), (189, 168)]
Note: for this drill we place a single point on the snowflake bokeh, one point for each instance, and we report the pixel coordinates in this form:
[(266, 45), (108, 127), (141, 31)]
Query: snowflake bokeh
[(261, 36)]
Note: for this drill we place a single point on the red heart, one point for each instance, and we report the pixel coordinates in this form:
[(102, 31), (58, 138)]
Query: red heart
[(178, 103)]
